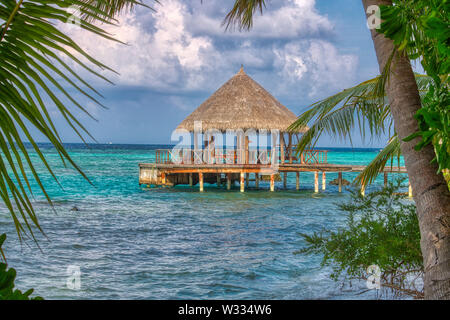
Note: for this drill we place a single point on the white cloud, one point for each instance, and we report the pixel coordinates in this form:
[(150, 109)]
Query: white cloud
[(166, 58), (183, 47), (315, 66), (292, 19)]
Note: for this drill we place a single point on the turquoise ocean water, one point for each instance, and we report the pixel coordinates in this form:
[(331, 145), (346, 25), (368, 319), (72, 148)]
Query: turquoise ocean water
[(131, 242)]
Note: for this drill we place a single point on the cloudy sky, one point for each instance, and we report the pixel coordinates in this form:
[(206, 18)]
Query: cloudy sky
[(299, 50)]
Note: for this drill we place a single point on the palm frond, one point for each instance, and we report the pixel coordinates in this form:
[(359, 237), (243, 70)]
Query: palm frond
[(377, 165), (359, 107), (32, 51), (241, 15)]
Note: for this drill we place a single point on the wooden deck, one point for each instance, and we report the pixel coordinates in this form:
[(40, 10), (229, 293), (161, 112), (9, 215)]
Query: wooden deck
[(259, 168), (165, 172)]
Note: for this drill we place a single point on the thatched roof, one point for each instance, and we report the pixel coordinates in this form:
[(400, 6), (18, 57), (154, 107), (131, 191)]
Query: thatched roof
[(241, 103)]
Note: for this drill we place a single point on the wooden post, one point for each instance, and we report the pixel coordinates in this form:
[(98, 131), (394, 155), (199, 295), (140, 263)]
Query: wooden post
[(409, 190), (211, 149), (238, 147), (340, 181), (290, 148), (257, 180), (228, 181), (200, 181), (246, 151), (297, 181), (272, 182), (163, 178), (285, 180), (247, 178), (316, 181), (190, 180), (242, 181), (385, 179), (218, 180), (274, 153), (195, 151), (282, 156), (324, 180)]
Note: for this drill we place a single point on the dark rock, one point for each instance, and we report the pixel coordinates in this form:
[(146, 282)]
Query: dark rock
[(335, 182), (74, 209)]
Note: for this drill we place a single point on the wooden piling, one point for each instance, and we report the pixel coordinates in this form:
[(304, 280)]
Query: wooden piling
[(190, 180), (297, 180), (316, 181), (257, 180), (228, 181), (219, 181), (247, 178), (340, 181), (242, 181), (285, 180), (272, 182), (200, 181), (324, 180)]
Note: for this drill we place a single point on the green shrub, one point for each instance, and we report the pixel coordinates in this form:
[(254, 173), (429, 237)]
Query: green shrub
[(381, 229), (7, 277)]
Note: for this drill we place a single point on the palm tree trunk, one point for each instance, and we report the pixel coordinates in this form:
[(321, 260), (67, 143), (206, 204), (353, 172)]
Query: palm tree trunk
[(430, 190)]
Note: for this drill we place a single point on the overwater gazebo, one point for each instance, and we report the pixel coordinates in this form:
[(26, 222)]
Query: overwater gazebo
[(244, 110), (242, 106)]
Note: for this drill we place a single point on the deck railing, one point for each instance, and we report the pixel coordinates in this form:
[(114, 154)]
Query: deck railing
[(220, 156), (314, 156)]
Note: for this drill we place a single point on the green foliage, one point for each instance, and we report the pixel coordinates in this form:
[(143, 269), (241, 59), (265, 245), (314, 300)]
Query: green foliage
[(434, 125), (422, 30), (242, 13), (381, 229), (363, 107), (7, 277), (34, 75)]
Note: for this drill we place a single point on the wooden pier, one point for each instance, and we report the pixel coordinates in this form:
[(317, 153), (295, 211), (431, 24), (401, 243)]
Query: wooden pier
[(171, 170), (241, 133)]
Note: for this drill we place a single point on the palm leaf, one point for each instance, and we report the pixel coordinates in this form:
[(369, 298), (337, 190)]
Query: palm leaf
[(363, 107), (377, 165), (241, 14), (358, 107), (32, 51)]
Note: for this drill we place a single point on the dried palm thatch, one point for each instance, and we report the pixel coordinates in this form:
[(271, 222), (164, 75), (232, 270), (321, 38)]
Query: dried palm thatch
[(241, 103)]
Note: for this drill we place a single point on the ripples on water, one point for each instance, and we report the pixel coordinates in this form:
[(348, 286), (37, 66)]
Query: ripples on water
[(176, 243)]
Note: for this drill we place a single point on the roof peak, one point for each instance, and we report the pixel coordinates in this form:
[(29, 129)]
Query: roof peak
[(241, 70)]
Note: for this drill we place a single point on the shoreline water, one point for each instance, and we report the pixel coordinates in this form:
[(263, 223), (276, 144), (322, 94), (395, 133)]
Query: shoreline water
[(175, 243)]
